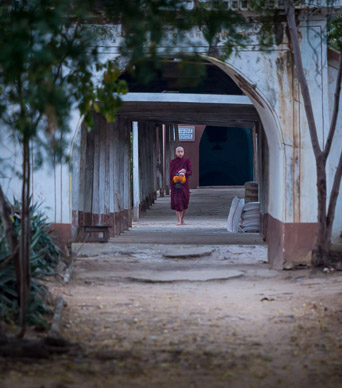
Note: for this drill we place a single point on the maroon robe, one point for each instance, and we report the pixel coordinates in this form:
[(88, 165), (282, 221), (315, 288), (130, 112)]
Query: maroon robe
[(180, 197)]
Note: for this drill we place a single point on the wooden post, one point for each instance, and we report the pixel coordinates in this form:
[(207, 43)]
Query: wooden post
[(121, 173), (88, 185), (154, 162), (78, 177), (160, 158), (111, 141), (107, 220), (96, 180), (255, 155), (136, 180), (168, 156), (176, 135), (101, 133), (126, 172), (164, 160), (116, 178), (159, 164), (142, 167), (150, 151)]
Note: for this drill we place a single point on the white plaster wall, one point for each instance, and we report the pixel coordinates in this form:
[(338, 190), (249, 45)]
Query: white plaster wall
[(50, 184), (275, 95), (334, 154), (315, 65), (11, 161), (272, 80)]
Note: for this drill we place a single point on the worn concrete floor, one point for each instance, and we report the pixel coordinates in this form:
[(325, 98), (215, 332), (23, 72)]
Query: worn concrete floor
[(141, 319), (206, 221)]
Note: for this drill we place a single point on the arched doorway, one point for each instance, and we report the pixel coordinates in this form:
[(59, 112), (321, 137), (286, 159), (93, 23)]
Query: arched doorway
[(225, 156), (160, 105)]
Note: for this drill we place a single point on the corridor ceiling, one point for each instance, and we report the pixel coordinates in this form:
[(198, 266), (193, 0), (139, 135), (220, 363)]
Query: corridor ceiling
[(201, 109)]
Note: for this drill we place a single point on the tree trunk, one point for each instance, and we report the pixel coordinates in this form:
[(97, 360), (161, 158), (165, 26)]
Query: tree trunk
[(333, 199), (325, 221), (25, 238), (320, 254)]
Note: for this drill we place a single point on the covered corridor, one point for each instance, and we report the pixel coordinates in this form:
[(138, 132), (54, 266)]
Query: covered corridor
[(206, 221), (120, 169)]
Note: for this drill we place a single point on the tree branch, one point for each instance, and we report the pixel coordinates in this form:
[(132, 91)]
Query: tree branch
[(335, 110), (59, 68), (291, 22)]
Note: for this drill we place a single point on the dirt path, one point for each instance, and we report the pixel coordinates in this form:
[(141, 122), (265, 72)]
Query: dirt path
[(260, 329)]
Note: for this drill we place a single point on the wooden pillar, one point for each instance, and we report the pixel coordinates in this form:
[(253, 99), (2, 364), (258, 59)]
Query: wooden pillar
[(136, 180), (176, 136), (121, 174), (101, 133), (77, 178), (167, 157), (96, 179), (255, 154), (141, 145), (127, 173), (154, 162), (150, 150), (116, 178), (159, 171), (148, 165), (88, 182), (111, 142), (142, 166), (160, 164), (102, 202), (107, 219), (99, 182), (164, 159)]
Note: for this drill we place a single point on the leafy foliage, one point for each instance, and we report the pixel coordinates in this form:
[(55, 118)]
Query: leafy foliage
[(49, 65), (44, 256), (48, 62), (335, 31)]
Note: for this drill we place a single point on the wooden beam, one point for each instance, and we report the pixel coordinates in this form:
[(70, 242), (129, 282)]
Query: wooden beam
[(136, 174)]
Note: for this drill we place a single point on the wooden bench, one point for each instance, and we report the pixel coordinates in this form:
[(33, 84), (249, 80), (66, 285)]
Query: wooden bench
[(89, 229)]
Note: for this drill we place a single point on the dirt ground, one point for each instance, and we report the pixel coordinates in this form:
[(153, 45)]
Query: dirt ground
[(243, 326)]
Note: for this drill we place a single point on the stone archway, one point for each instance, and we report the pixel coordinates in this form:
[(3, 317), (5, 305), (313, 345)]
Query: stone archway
[(278, 187), (274, 217)]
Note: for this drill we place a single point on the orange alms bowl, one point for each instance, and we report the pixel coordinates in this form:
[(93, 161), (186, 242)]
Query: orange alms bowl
[(180, 179)]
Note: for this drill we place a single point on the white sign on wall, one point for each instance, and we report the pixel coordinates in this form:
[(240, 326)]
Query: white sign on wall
[(186, 133)]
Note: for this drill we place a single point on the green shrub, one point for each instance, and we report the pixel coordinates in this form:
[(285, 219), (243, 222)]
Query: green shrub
[(44, 256)]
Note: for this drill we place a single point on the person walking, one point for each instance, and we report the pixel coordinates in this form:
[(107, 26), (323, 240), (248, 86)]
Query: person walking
[(180, 171)]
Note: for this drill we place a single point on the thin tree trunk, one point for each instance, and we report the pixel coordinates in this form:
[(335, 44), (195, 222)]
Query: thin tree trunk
[(333, 199), (325, 221), (336, 109), (291, 22), (24, 250), (338, 174), (319, 256)]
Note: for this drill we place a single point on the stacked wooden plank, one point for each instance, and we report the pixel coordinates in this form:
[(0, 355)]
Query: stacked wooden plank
[(251, 192)]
